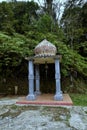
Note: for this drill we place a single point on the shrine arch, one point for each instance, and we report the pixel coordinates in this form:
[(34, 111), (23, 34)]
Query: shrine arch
[(45, 53)]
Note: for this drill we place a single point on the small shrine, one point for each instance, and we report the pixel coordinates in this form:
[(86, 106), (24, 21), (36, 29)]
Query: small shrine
[(45, 52)]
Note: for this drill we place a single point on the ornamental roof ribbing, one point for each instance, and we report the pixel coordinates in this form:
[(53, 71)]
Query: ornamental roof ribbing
[(45, 48)]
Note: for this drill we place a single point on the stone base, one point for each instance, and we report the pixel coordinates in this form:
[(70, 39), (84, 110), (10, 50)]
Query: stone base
[(47, 100), (58, 97), (31, 97)]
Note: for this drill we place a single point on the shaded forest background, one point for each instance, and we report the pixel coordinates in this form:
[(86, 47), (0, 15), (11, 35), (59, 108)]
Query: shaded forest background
[(24, 24)]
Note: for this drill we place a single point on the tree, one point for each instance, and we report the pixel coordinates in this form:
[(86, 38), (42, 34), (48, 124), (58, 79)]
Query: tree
[(84, 21), (70, 22), (6, 17), (72, 26)]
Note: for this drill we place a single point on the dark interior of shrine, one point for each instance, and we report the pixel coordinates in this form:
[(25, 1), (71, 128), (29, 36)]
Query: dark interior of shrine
[(47, 78)]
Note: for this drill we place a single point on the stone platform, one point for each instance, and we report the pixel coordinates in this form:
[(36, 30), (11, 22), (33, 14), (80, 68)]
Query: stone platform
[(46, 99)]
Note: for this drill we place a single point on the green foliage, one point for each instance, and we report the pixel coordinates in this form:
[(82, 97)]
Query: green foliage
[(74, 24), (45, 23), (84, 18), (71, 59), (6, 17), (13, 49), (79, 99), (17, 16)]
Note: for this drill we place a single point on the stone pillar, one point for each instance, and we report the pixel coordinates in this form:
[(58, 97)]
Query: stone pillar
[(31, 95), (58, 95), (37, 74)]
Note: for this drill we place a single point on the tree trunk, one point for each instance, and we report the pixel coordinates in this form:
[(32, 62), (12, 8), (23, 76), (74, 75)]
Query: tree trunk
[(48, 4)]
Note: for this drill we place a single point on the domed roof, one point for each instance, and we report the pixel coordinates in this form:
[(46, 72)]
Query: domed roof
[(45, 48)]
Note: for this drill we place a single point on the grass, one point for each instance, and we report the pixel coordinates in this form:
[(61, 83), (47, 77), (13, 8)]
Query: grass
[(79, 99)]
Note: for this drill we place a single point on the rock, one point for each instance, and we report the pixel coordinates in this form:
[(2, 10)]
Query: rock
[(3, 110), (76, 122), (42, 119)]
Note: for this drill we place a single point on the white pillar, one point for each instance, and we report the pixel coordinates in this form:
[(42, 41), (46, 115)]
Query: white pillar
[(58, 95), (31, 95)]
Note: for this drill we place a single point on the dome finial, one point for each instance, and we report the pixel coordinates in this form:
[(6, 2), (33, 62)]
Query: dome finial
[(45, 48)]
